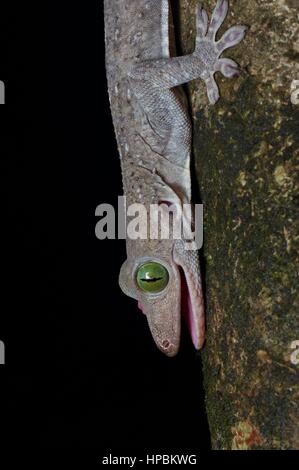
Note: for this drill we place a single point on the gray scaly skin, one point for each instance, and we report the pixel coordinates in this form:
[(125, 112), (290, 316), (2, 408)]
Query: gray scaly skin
[(153, 132)]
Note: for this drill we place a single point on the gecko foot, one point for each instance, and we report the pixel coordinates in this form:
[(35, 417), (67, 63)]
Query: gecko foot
[(209, 50)]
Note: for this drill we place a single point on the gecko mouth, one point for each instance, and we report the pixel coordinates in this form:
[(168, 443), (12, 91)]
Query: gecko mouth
[(186, 303), (190, 307)]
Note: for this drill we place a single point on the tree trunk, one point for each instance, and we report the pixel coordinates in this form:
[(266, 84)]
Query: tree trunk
[(246, 151)]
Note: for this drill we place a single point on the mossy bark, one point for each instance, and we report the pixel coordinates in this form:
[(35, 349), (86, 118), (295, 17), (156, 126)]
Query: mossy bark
[(246, 151)]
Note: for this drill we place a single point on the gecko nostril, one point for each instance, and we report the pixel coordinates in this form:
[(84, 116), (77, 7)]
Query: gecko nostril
[(166, 344)]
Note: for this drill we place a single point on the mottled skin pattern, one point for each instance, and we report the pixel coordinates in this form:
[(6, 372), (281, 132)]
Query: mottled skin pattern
[(154, 139)]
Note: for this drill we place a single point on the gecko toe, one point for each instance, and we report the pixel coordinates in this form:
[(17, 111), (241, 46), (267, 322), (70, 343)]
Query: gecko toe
[(228, 67), (201, 21), (218, 16), (231, 38), (212, 90)]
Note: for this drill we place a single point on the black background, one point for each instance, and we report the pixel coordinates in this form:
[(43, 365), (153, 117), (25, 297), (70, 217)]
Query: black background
[(81, 368)]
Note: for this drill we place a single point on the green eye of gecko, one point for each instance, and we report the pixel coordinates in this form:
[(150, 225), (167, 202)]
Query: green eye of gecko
[(152, 277)]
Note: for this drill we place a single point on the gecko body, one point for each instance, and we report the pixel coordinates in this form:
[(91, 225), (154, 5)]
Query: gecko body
[(154, 136)]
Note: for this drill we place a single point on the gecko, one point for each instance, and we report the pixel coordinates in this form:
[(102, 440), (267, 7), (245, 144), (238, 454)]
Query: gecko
[(154, 138)]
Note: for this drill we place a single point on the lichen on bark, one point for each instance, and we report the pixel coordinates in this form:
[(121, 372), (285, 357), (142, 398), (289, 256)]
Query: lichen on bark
[(246, 151)]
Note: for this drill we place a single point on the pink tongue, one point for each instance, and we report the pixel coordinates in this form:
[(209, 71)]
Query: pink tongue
[(187, 310), (140, 306)]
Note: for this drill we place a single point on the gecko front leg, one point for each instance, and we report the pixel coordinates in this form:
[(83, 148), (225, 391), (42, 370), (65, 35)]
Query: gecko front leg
[(202, 63)]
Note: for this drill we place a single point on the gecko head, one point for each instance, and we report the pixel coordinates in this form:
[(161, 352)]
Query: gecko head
[(155, 284), (165, 289)]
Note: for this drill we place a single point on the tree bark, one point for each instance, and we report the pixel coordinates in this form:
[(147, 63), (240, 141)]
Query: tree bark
[(246, 153)]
